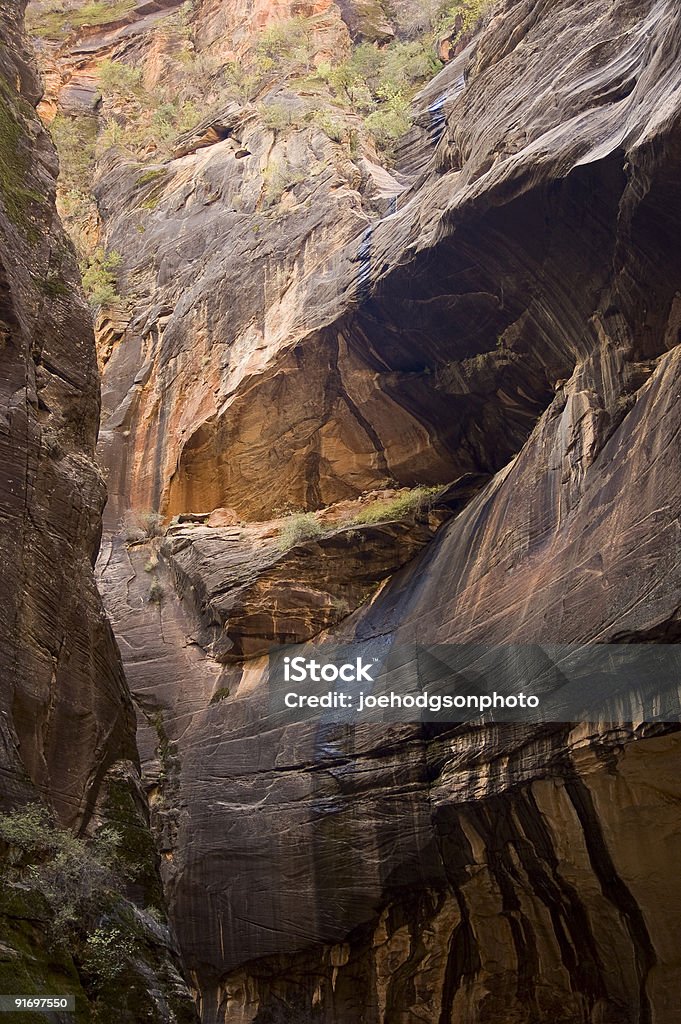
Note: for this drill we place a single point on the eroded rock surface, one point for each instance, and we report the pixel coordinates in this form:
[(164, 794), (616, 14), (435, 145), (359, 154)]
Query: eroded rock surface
[(405, 347), (250, 594), (67, 725), (503, 302), (56, 640)]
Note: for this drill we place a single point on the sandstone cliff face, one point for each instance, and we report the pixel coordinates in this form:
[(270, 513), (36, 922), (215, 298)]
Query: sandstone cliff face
[(52, 494), (502, 302), (67, 721), (443, 371)]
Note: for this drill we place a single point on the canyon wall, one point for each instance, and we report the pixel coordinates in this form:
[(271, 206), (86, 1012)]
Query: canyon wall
[(67, 721), (305, 326)]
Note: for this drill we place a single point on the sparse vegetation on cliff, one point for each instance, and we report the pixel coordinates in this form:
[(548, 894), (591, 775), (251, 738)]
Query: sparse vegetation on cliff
[(71, 875), (141, 525), (287, 47), (75, 139), (57, 18), (436, 17), (365, 91), (16, 197), (298, 528), (152, 119), (120, 80), (460, 17), (280, 177), (303, 526), (63, 897), (410, 503), (378, 83), (100, 278), (107, 953)]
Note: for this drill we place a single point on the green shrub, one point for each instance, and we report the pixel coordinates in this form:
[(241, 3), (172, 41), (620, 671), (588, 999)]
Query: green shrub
[(407, 65), (279, 178), (107, 953), (370, 75), (465, 14), (414, 502), (57, 19), (100, 278), (287, 46), (241, 85), (390, 122), (341, 608), (150, 117), (333, 127), (186, 116), (28, 830), (74, 138), (357, 78), (298, 528), (156, 593), (71, 874), (185, 15), (151, 523), (276, 116), (113, 134), (78, 210), (379, 84), (119, 79)]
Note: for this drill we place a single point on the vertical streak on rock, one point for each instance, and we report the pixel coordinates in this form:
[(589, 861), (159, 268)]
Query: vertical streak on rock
[(336, 381), (463, 956), (614, 888), (568, 914), (463, 961)]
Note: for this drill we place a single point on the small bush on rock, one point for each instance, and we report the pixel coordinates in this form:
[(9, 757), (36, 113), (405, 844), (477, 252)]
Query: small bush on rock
[(119, 79), (378, 83), (414, 502), (298, 528), (461, 16), (288, 45), (107, 953), (100, 278), (141, 525), (220, 695), (70, 874), (279, 178)]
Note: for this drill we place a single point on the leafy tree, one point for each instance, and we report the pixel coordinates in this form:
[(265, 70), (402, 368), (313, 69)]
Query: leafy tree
[(287, 45), (461, 16)]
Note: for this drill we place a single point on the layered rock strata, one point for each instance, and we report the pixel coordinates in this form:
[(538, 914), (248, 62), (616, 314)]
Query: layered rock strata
[(502, 302)]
